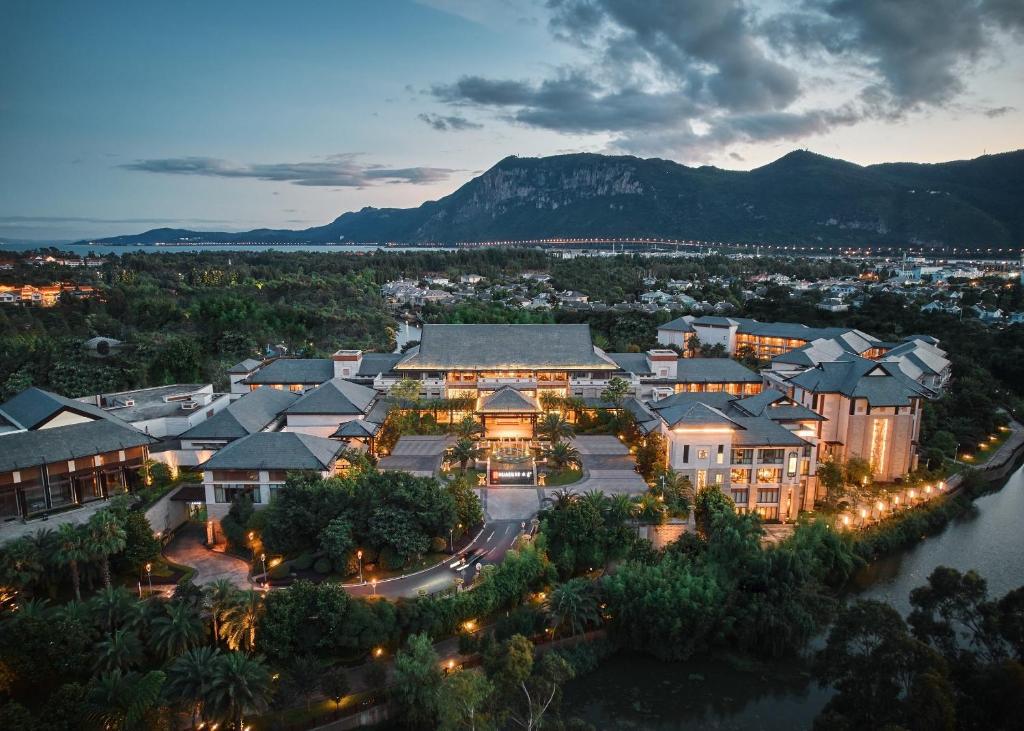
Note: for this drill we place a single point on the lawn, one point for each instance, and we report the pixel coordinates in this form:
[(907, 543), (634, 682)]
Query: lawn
[(562, 477), (471, 474)]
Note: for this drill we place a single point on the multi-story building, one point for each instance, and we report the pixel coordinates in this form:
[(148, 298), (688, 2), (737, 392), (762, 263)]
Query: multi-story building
[(759, 449), (56, 453)]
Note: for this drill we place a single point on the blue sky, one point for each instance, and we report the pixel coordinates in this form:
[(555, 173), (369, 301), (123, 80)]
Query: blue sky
[(117, 117)]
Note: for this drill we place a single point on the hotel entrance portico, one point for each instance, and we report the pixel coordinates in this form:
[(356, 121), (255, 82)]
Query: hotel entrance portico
[(509, 418)]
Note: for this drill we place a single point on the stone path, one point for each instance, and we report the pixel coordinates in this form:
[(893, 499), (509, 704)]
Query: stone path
[(187, 548)]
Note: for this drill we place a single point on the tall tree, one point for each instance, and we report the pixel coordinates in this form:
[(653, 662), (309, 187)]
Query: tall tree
[(71, 550), (190, 679), (417, 682), (574, 606), (238, 627), (105, 537), (218, 597), (239, 685), (176, 631), (555, 428)]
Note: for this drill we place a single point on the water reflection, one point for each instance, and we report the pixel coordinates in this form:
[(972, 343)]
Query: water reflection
[(637, 692)]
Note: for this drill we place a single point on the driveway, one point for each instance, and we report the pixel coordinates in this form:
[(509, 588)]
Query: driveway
[(607, 466), (187, 549)]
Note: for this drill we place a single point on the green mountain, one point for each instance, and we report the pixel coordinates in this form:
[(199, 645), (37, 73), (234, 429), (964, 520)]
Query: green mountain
[(801, 198)]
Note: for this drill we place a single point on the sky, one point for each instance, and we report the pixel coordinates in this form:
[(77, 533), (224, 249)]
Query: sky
[(117, 117)]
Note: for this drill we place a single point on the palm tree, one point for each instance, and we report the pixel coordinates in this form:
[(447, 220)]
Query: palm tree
[(105, 537), (469, 428), (651, 508), (178, 630), (121, 651), (574, 605), (463, 451), (562, 455), (190, 677), (620, 509), (70, 550), (561, 499), (555, 428), (76, 612), (239, 685), (21, 564), (34, 609), (128, 701), (597, 500), (238, 627), (114, 607), (218, 598)]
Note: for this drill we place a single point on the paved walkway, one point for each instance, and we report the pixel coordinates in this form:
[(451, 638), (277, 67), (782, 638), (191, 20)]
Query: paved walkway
[(187, 549), (607, 466)]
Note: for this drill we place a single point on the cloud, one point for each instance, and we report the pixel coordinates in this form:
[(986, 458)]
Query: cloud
[(338, 171), (998, 111), (444, 123), (690, 77)]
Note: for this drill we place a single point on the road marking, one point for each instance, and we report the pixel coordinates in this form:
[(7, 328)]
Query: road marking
[(488, 539)]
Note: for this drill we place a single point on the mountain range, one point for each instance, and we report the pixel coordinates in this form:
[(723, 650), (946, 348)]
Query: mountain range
[(801, 198)]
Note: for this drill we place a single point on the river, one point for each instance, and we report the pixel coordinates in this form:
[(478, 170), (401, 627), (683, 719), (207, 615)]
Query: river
[(637, 692)]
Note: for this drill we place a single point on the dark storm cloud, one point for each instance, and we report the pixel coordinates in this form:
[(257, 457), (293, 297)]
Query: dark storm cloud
[(690, 76), (339, 171), (444, 123)]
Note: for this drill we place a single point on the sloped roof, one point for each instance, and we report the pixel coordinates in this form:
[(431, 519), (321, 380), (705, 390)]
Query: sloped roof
[(357, 428), (376, 363), (34, 406), (19, 450), (632, 362), (881, 383), (246, 366), (760, 431), (508, 400), (680, 324), (294, 370), (714, 370), (276, 451), (695, 414), (336, 396), (447, 347), (251, 413)]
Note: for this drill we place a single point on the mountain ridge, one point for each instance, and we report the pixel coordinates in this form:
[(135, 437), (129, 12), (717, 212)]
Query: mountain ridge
[(800, 198)]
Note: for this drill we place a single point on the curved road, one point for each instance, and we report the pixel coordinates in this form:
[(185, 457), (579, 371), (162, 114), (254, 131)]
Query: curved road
[(495, 539)]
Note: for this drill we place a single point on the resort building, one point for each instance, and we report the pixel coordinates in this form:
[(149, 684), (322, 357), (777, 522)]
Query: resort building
[(163, 411), (871, 409), (56, 453), (762, 340), (322, 411), (761, 450), (256, 411), (256, 465)]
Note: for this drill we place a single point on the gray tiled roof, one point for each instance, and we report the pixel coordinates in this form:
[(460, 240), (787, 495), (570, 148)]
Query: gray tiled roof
[(276, 451), (881, 383), (20, 450), (508, 400), (760, 431), (694, 413), (632, 362), (357, 428), (251, 413), (33, 406), (680, 324), (336, 396), (246, 366), (444, 347), (714, 370), (294, 370), (376, 363)]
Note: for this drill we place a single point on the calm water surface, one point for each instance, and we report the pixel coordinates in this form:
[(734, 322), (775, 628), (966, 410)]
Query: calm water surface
[(636, 692)]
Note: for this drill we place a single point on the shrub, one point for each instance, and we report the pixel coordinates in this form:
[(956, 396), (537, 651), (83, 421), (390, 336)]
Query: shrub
[(322, 565), (390, 559), (438, 544), (141, 546), (281, 571), (303, 562)]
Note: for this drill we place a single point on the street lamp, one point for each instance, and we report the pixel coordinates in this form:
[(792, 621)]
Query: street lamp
[(373, 583), (451, 545), (149, 575), (359, 555), (263, 558)]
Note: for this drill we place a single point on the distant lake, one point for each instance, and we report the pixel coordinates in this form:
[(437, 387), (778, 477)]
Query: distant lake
[(103, 250)]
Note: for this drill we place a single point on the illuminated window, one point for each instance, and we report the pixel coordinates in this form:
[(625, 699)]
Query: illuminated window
[(702, 479), (720, 457), (791, 466), (739, 476), (702, 454)]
